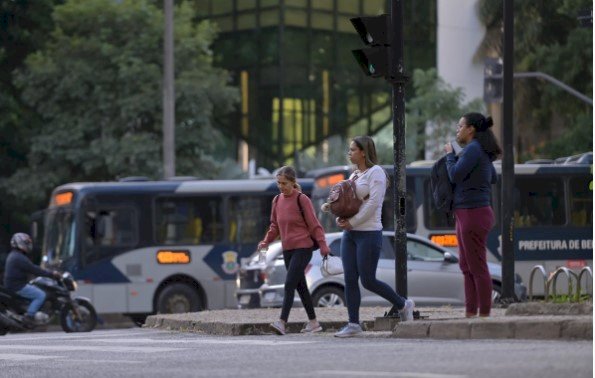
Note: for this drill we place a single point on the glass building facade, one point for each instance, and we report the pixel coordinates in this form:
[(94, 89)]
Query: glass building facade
[(298, 80)]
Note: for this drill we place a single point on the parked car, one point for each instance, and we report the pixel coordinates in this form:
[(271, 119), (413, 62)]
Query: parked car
[(433, 276)]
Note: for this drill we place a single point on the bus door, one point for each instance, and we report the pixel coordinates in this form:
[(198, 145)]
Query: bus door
[(109, 228)]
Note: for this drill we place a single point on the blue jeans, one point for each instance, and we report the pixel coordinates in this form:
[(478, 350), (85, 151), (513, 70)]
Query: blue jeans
[(36, 295), (360, 252)]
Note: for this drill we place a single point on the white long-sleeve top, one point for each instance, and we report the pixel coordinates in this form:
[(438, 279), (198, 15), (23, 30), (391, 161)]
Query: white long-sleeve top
[(372, 183)]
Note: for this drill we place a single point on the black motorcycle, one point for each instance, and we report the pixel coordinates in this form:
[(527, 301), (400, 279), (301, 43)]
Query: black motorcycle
[(76, 314)]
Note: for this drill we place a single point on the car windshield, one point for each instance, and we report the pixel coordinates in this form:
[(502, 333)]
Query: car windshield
[(59, 235)]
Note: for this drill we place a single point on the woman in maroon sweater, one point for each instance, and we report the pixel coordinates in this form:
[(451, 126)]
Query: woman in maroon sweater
[(297, 230)]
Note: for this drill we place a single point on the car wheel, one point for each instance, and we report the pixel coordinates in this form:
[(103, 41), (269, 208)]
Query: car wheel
[(496, 293), (329, 296)]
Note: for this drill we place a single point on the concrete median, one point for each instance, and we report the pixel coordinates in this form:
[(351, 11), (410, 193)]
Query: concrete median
[(435, 323)]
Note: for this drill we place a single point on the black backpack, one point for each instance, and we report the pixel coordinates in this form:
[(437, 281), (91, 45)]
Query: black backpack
[(442, 188)]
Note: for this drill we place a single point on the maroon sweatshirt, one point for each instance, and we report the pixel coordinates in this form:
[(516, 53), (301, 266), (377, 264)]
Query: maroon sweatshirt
[(287, 221)]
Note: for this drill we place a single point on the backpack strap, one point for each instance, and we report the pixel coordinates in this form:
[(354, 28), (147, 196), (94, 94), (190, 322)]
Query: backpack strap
[(301, 209)]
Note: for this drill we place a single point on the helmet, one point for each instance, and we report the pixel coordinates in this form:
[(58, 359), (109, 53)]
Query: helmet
[(21, 241)]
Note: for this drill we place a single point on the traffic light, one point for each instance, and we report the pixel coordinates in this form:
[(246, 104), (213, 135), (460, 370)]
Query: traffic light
[(374, 32), (492, 80)]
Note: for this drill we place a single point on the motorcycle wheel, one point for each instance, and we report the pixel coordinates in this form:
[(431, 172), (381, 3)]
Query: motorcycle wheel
[(86, 322)]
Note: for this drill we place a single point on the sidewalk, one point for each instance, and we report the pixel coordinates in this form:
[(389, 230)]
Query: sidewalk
[(519, 321)]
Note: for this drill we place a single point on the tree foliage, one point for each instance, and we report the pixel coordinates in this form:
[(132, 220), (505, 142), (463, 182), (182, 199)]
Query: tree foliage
[(547, 38), (97, 85), (433, 113), (24, 26)]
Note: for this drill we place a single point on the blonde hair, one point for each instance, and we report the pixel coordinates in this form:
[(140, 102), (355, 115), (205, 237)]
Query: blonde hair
[(290, 175)]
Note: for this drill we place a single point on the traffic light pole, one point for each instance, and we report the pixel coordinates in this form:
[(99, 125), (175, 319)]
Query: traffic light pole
[(398, 79), (506, 219)]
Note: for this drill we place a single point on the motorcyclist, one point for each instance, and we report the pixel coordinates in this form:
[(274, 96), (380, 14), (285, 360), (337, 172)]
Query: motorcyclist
[(18, 267)]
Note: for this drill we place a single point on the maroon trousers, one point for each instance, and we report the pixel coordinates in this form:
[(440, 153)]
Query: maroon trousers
[(473, 226)]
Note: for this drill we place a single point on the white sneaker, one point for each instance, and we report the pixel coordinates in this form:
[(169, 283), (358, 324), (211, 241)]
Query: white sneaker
[(406, 313), (278, 327), (309, 328), (350, 330)]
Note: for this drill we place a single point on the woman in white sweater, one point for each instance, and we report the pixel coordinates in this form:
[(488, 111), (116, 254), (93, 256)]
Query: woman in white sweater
[(362, 237)]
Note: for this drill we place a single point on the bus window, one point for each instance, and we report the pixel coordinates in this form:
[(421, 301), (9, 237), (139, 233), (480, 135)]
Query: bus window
[(581, 202), (248, 218), (188, 220), (539, 202), (434, 218), (106, 231)]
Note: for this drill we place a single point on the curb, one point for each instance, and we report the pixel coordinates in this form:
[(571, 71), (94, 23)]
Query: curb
[(236, 329), (511, 327)]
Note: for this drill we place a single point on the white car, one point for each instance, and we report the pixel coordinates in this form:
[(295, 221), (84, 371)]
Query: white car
[(433, 276)]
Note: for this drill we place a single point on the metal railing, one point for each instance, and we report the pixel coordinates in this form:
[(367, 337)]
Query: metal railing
[(550, 282)]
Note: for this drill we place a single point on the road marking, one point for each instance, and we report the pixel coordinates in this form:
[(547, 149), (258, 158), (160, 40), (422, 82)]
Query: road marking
[(66, 348), (347, 373), (203, 341), (86, 335), (23, 357)]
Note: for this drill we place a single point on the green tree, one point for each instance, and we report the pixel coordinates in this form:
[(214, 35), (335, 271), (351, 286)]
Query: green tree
[(24, 26), (433, 113), (547, 38), (97, 86)]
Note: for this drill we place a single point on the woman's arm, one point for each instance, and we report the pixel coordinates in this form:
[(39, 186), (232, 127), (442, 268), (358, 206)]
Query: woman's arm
[(377, 182), (459, 169)]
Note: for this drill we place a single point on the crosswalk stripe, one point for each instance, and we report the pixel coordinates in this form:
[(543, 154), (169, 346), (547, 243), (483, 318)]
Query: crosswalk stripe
[(76, 348), (202, 341), (23, 357)]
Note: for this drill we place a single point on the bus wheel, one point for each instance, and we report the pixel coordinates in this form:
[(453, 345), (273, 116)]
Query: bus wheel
[(329, 296), (178, 298)]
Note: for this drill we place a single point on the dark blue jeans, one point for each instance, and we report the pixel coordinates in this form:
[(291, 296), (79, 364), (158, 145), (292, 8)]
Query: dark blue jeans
[(36, 295), (360, 252), (296, 261)]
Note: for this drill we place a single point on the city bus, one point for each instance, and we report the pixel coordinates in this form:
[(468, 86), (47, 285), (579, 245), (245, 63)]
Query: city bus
[(143, 247), (553, 213)]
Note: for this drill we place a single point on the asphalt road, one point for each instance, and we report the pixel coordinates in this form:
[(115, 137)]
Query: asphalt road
[(137, 352)]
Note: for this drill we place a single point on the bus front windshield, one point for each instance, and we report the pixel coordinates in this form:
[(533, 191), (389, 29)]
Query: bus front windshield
[(59, 235)]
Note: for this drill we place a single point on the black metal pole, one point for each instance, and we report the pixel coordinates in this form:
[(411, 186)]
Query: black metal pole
[(507, 195), (398, 80)]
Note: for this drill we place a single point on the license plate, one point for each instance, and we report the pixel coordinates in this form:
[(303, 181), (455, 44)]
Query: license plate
[(245, 299)]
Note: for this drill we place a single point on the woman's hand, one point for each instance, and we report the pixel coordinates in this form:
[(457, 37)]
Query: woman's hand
[(324, 250), (343, 223), (262, 245), (448, 148)]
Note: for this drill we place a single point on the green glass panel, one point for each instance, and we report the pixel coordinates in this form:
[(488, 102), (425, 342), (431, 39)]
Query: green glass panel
[(295, 18), (222, 6), (296, 3), (374, 7), (323, 21), (270, 17), (246, 21), (224, 24), (348, 6), (323, 4), (344, 25), (269, 3), (202, 8), (246, 4)]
